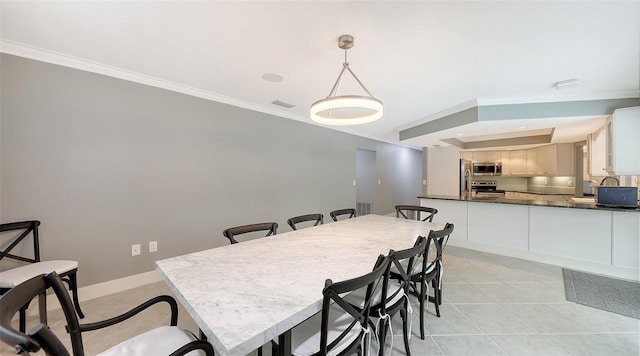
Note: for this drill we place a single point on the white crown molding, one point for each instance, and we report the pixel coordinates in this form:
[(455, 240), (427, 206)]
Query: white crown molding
[(43, 55)]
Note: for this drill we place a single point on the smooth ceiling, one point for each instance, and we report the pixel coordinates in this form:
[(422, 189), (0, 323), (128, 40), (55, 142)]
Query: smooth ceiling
[(419, 58)]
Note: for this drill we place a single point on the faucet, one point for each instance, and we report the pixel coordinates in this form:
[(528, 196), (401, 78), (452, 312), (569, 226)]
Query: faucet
[(610, 177)]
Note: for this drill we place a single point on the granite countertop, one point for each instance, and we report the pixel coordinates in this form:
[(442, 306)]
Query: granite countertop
[(535, 192), (559, 204)]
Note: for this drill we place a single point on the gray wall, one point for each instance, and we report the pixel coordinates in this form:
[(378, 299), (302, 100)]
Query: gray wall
[(105, 163)]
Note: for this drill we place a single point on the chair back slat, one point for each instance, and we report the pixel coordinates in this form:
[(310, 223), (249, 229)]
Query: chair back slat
[(413, 212), (317, 219), (270, 227), (341, 212), (439, 239), (28, 227)]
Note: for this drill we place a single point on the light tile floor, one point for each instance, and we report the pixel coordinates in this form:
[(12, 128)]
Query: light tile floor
[(492, 305)]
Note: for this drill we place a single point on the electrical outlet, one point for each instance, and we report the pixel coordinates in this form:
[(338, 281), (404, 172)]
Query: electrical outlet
[(153, 246), (570, 183), (135, 250), (354, 182)]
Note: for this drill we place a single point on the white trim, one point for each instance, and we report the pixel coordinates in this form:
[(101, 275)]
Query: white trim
[(585, 266), (103, 289), (65, 60), (43, 55)]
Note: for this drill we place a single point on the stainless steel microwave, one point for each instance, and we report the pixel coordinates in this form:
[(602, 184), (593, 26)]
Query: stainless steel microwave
[(487, 168)]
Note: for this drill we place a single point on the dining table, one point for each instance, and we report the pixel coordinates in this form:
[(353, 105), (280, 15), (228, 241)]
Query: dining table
[(244, 295)]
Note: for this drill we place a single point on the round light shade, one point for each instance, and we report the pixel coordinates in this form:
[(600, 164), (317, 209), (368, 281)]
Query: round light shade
[(346, 110)]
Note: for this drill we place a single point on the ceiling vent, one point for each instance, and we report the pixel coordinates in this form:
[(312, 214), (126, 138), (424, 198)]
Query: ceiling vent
[(282, 103)]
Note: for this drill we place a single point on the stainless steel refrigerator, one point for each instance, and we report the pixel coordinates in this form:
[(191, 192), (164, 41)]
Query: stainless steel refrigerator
[(465, 178)]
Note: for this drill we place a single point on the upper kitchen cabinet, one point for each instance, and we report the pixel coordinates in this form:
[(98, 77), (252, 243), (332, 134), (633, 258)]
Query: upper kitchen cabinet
[(486, 156), (623, 145), (597, 151), (555, 160), (517, 162), (468, 155), (531, 163)]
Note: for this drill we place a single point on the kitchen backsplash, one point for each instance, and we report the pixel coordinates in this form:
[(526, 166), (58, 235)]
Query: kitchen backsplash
[(541, 185), (552, 185)]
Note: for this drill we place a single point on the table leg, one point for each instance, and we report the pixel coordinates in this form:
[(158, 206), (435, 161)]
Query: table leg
[(284, 344)]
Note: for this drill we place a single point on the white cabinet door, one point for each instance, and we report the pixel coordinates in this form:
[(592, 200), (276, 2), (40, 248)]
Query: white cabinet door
[(486, 156), (547, 160), (623, 153), (597, 144), (518, 162), (531, 161), (506, 163)]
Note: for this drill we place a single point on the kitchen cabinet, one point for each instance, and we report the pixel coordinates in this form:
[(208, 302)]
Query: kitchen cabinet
[(486, 156), (506, 162), (597, 151), (551, 160), (531, 162), (623, 146), (468, 155), (517, 162), (548, 160), (555, 160), (554, 235)]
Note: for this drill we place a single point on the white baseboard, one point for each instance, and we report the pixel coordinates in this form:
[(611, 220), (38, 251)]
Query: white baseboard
[(102, 289), (585, 266)]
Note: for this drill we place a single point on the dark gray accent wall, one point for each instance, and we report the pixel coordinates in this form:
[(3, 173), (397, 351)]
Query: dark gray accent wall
[(106, 163)]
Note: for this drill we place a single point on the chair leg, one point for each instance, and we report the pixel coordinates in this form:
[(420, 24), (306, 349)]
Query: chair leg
[(436, 298), (73, 285), (382, 336), (42, 307), (423, 300), (405, 329), (260, 351), (23, 319)]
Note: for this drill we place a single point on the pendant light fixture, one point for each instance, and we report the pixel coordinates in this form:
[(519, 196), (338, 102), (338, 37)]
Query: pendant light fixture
[(346, 109)]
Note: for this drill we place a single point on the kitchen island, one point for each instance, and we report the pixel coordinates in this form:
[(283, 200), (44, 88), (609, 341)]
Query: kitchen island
[(581, 236)]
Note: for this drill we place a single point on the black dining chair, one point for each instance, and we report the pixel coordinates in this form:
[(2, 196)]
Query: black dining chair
[(231, 233), (166, 340), (432, 275), (14, 234), (315, 219), (405, 263), (270, 227), (340, 329), (342, 212), (413, 212)]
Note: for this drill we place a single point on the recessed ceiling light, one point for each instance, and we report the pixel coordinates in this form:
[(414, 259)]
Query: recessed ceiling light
[(272, 77), (521, 127), (460, 134)]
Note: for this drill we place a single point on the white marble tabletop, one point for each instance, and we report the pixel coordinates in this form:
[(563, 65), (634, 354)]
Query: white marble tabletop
[(243, 295)]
